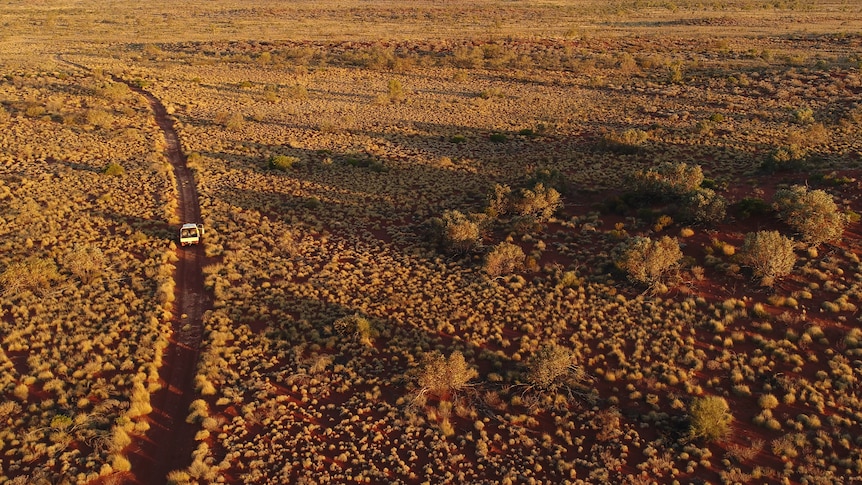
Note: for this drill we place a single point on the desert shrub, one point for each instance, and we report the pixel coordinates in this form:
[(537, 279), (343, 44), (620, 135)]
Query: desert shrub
[(704, 206), (505, 258), (231, 121), (648, 261), (768, 401), (356, 326), (669, 180), (86, 262), (458, 232), (98, 118), (114, 91), (499, 202), (498, 137), (785, 157), (554, 368), (710, 418), (441, 376), (35, 274), (194, 161), (752, 206), (539, 202), (114, 169), (803, 116), (626, 142), (395, 91), (282, 162), (296, 91), (769, 254), (811, 213)]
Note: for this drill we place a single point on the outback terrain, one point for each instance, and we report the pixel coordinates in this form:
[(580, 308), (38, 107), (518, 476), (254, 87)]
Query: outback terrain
[(503, 242)]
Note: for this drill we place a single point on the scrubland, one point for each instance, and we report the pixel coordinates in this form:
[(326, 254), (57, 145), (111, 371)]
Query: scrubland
[(421, 250), (86, 258)]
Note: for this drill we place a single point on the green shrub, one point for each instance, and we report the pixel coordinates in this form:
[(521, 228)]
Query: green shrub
[(626, 142), (505, 258), (752, 206), (282, 162), (669, 180), (704, 206), (803, 116), (710, 418), (498, 137), (647, 261), (811, 213), (785, 157), (114, 169), (769, 254), (356, 326)]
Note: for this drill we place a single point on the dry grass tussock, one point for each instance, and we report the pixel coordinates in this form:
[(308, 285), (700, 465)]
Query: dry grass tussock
[(333, 306)]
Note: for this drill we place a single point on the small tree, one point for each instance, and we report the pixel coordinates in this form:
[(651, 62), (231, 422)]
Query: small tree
[(499, 202), (539, 202), (769, 254), (812, 213), (442, 377), (505, 258), (554, 368), (710, 418), (86, 262), (647, 261), (458, 232)]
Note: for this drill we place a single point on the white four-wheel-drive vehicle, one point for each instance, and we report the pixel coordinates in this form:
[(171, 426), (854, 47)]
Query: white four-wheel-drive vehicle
[(191, 234)]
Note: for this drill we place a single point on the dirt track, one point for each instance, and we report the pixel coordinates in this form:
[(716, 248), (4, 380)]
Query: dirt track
[(170, 440), (168, 444)]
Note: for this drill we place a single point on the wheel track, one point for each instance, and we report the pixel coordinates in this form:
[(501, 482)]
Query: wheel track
[(170, 440)]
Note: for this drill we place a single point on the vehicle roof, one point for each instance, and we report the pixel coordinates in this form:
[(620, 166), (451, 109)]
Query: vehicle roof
[(189, 225)]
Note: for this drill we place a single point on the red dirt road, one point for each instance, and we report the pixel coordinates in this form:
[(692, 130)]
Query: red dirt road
[(170, 440)]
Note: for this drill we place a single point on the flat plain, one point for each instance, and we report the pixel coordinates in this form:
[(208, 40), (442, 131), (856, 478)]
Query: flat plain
[(509, 242)]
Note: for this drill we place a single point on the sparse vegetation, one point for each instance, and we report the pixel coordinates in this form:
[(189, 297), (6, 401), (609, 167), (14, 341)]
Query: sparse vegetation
[(332, 287)]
